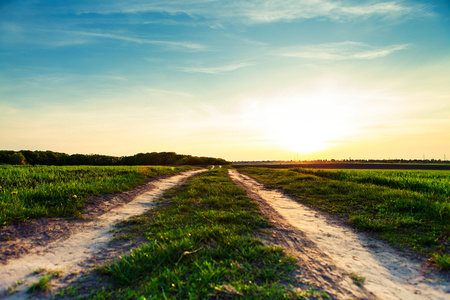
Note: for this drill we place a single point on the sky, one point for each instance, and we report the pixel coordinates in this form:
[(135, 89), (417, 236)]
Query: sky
[(239, 80)]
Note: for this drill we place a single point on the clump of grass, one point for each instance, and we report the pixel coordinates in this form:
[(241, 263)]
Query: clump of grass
[(40, 270), (357, 279), (52, 272), (406, 208), (124, 237), (443, 261), (202, 245), (13, 289), (42, 285), (70, 291)]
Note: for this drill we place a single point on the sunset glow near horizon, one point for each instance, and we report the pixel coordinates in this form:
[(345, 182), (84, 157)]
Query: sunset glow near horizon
[(240, 80)]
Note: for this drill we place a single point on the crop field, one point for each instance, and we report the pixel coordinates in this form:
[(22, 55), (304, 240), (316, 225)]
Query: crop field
[(407, 208), (28, 192)]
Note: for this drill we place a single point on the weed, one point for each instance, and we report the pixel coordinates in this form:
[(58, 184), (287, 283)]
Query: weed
[(39, 270), (443, 261), (42, 285), (55, 272), (124, 237), (13, 289), (69, 291), (357, 279)]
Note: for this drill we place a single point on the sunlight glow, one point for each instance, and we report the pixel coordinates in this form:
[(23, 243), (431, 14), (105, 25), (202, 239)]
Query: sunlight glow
[(305, 122)]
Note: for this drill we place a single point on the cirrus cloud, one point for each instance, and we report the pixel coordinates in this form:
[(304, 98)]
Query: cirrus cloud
[(340, 51), (262, 11)]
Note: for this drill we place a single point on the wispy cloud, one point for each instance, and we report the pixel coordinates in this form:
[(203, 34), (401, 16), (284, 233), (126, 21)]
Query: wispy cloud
[(160, 92), (187, 45), (291, 10), (13, 33), (340, 51), (215, 70), (262, 11)]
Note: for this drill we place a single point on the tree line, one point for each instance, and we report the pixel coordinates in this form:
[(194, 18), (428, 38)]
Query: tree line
[(28, 157)]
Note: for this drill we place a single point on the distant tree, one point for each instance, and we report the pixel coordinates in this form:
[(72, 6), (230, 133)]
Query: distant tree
[(52, 159), (5, 155), (169, 158), (17, 159), (57, 158), (30, 156)]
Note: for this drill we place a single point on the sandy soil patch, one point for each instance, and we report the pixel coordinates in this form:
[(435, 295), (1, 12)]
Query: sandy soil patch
[(76, 244), (329, 251)]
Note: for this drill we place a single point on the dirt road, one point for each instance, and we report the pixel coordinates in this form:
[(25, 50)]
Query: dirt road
[(72, 255), (329, 252)]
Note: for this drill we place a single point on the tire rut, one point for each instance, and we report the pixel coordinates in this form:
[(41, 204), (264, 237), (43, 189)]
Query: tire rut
[(328, 251)]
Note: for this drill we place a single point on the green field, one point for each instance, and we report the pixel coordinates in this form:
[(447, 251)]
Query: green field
[(200, 244), (408, 208), (28, 192)]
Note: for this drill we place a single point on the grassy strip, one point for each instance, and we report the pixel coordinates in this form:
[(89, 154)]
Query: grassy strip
[(201, 244), (434, 183), (51, 191), (416, 220)]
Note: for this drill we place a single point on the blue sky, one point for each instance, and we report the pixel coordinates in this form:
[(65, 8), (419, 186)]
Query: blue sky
[(241, 80)]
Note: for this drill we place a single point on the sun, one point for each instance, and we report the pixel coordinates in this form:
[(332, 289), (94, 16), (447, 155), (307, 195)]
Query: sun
[(309, 133), (301, 141), (305, 123)]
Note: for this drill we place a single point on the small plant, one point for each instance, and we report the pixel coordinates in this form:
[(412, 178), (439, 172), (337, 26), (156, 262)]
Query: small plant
[(69, 291), (42, 285), (10, 290), (124, 237), (13, 289), (39, 270), (443, 261), (357, 279), (55, 273)]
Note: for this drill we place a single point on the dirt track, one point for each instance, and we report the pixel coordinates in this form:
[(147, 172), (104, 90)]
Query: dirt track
[(328, 252)]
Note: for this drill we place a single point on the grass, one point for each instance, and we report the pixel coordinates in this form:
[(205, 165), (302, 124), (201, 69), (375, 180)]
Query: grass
[(28, 192), (201, 244), (436, 183), (407, 208), (42, 285), (442, 260), (358, 279), (10, 290)]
